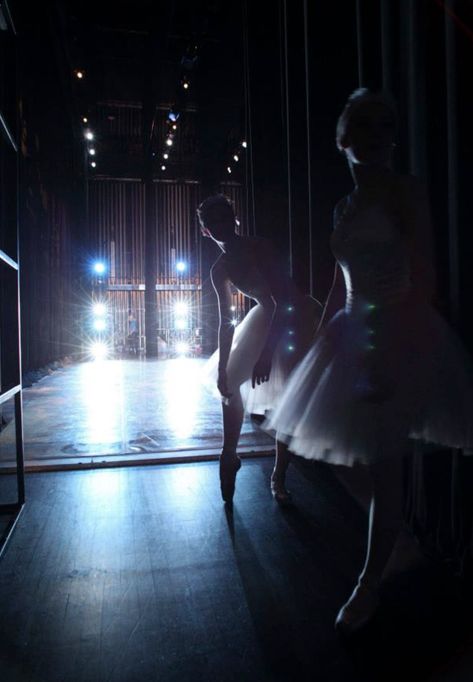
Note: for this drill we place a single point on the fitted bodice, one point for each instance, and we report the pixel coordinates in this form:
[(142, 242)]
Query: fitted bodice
[(373, 256)]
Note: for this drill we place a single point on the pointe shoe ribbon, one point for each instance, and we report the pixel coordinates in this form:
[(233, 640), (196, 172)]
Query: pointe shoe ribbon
[(358, 610), (280, 493), (229, 467)]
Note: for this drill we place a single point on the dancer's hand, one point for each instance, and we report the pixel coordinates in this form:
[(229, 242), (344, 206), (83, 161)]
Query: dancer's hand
[(223, 386), (261, 370)]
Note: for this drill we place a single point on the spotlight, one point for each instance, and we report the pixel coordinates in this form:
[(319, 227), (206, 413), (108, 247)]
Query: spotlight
[(163, 167), (99, 267), (233, 308), (229, 170), (186, 85), (85, 119), (93, 164), (234, 322), (169, 142), (181, 323), (79, 74), (165, 155), (174, 126), (236, 157), (244, 144), (182, 348), (173, 115), (92, 151), (89, 135), (181, 308), (99, 325), (181, 266), (98, 350), (99, 309)]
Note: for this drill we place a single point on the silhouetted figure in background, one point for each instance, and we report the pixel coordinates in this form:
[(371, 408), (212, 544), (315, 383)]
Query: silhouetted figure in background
[(387, 367), (253, 359), (132, 338)]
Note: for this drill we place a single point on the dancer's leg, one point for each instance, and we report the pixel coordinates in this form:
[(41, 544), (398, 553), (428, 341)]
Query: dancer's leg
[(232, 421), (229, 462), (278, 477), (385, 522)]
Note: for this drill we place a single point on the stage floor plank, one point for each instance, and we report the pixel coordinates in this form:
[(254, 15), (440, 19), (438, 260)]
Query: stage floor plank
[(112, 408), (138, 573)]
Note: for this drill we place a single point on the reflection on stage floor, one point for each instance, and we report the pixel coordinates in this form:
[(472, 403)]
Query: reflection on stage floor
[(100, 411)]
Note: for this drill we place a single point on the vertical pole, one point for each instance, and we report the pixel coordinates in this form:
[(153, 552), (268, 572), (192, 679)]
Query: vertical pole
[(288, 134), (309, 168), (359, 36), (149, 196), (452, 161)]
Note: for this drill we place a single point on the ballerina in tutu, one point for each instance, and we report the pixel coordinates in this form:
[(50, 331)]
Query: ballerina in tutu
[(254, 359), (385, 368)]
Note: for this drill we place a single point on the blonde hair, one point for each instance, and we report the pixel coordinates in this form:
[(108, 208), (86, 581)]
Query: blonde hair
[(357, 98)]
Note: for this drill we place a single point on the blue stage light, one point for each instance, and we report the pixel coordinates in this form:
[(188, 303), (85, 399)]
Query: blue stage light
[(181, 266), (99, 267)]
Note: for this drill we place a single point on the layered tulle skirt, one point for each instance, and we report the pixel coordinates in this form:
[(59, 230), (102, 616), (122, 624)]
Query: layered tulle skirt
[(248, 341), (375, 377)]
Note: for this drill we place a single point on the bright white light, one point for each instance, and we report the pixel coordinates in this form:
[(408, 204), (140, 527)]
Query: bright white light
[(236, 157), (99, 351), (85, 119), (234, 322), (233, 308), (163, 167), (92, 151), (169, 142), (80, 74), (182, 348), (89, 135), (165, 155), (181, 266), (244, 144), (185, 85), (181, 308), (180, 323), (99, 309), (99, 325), (99, 267), (229, 170), (174, 127), (93, 164)]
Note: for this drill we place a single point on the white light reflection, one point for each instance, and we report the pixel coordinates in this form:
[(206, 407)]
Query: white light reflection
[(183, 386), (103, 483), (102, 394)]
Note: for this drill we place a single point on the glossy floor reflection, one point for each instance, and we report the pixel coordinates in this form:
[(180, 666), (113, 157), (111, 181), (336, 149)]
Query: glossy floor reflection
[(114, 407)]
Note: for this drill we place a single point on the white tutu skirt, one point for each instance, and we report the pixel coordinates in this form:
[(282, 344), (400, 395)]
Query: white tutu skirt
[(248, 342), (375, 377)]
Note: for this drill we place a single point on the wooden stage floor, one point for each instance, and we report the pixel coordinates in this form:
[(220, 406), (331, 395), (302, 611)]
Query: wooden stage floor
[(138, 574), (104, 411)]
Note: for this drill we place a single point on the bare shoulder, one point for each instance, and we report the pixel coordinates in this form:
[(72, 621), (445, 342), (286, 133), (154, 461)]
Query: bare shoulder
[(219, 271)]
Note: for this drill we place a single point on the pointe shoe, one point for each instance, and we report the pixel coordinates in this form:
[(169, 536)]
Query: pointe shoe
[(358, 610), (229, 467), (279, 491)]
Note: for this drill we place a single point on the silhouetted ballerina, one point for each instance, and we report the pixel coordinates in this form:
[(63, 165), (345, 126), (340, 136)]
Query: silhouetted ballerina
[(254, 358), (386, 368)]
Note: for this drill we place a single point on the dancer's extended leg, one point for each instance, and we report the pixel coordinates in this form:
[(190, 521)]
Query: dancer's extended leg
[(385, 522), (278, 477)]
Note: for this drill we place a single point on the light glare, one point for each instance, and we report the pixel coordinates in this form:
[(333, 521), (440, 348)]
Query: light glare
[(182, 348)]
